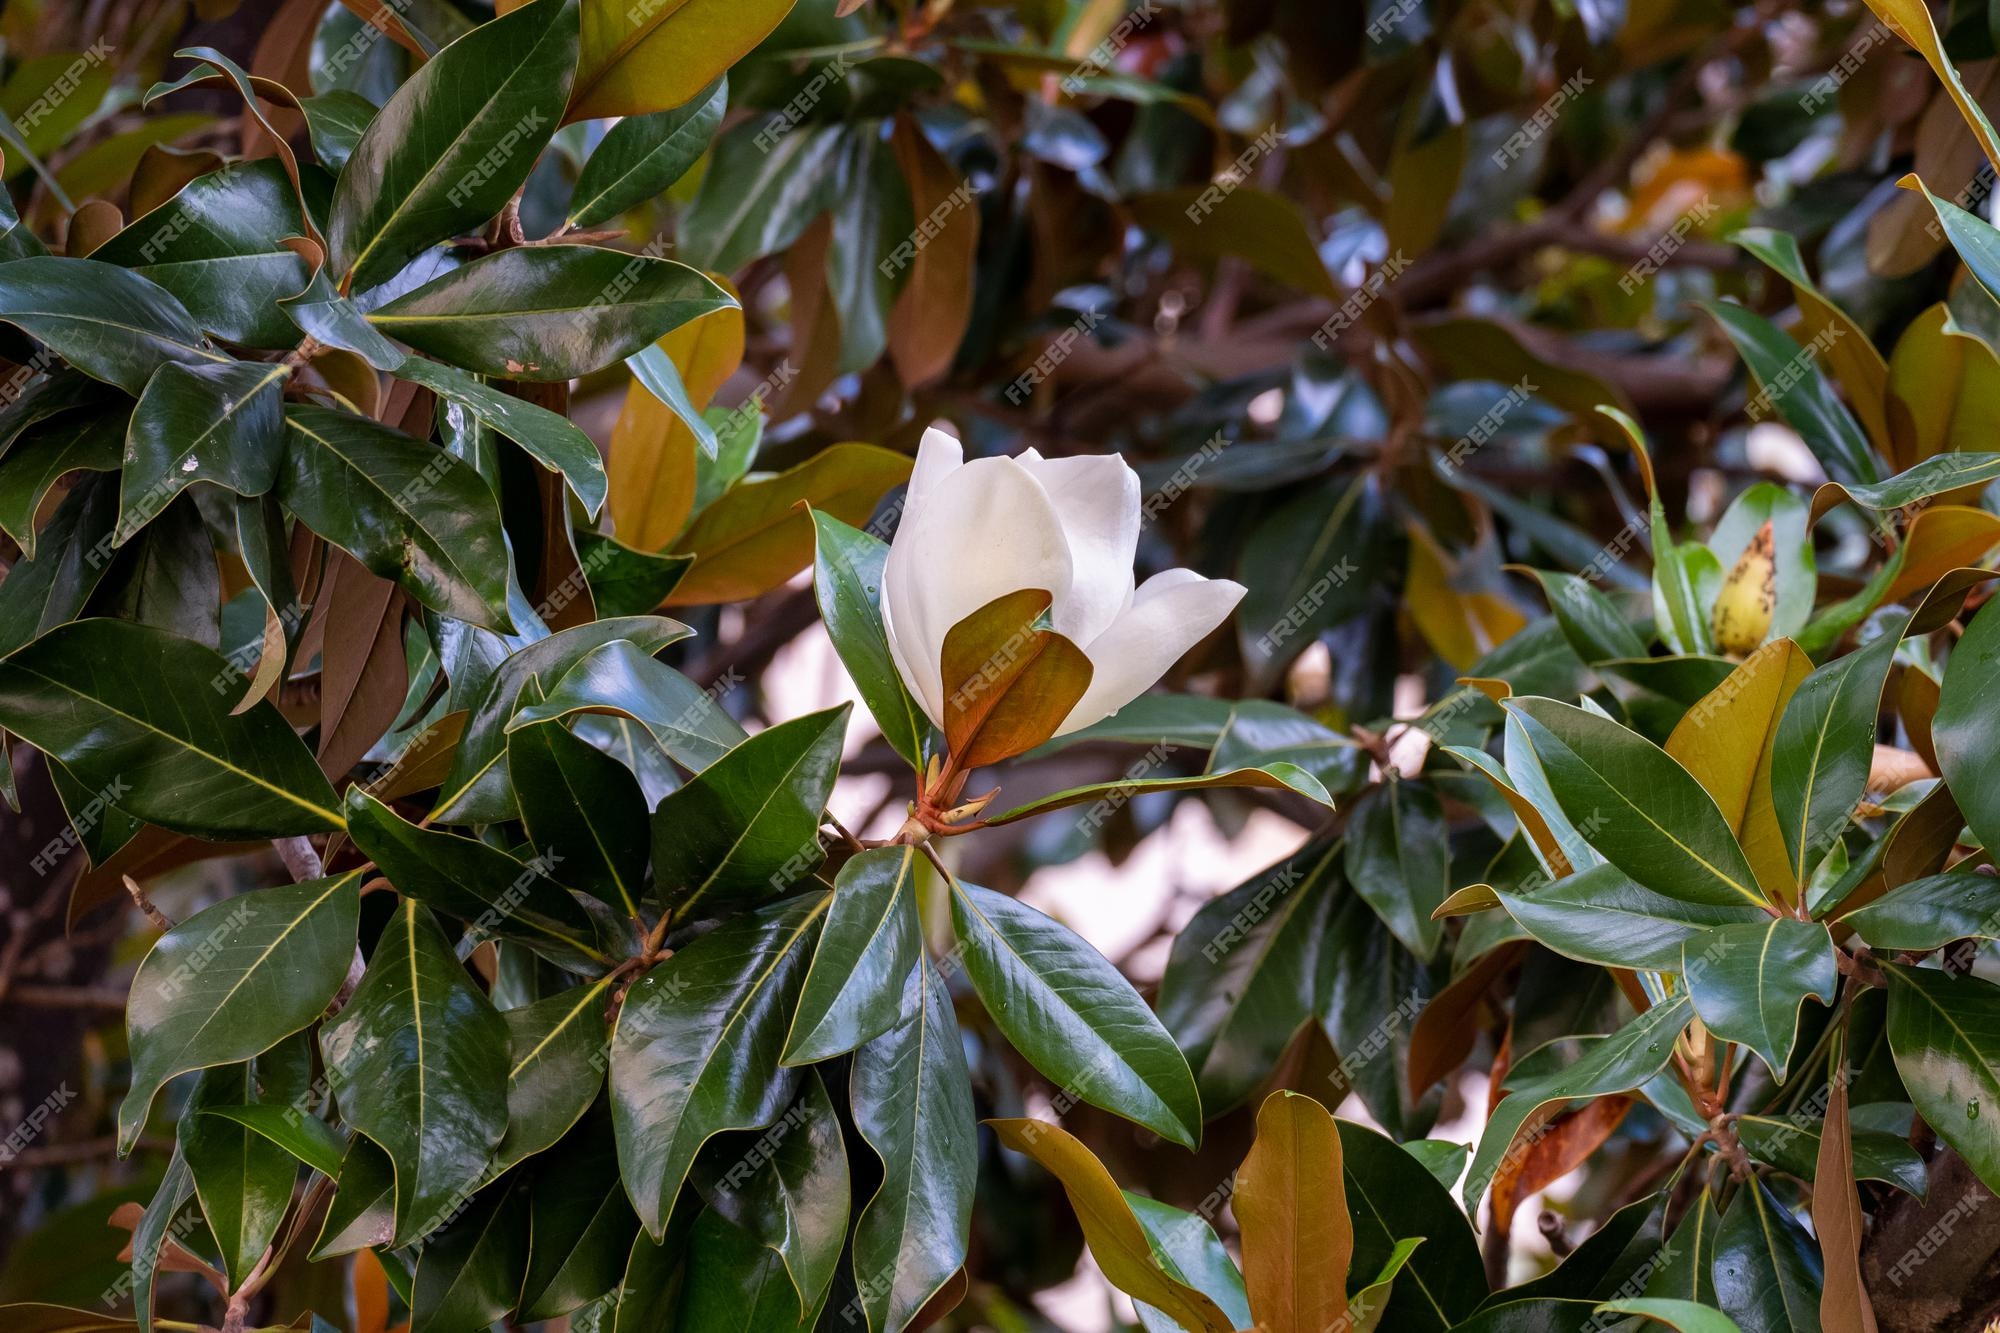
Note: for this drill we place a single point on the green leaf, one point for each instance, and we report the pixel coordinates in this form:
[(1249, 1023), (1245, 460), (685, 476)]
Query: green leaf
[(757, 199), (469, 1272), (1647, 814), (626, 581), (335, 122), (1601, 915), (696, 1046), (1617, 1063), (451, 146), (305, 1137), (1302, 567), (1390, 1196), (582, 807), (1792, 1145), (550, 438), (555, 1064), (1748, 982), (1686, 1316), (1965, 732), (641, 156), (476, 790), (493, 891), (1073, 1015), (229, 983), (791, 1191), (911, 1098), (1104, 797), (1186, 1246), (131, 706), (363, 1211), (46, 452), (618, 678), (1688, 1272), (873, 217), (244, 1181), (217, 245), (75, 546), (847, 578), (1932, 477), (1945, 1036), (646, 58), (1767, 1266), (1824, 745), (216, 423), (407, 510), (1595, 627), (734, 1282), (654, 369), (1398, 860), (748, 824), (1241, 978), (336, 321), (1931, 912), (1802, 393), (854, 990), (110, 323), (153, 1232), (549, 312), (581, 1228), (418, 1062)]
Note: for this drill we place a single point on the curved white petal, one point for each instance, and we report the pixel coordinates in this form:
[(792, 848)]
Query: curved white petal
[(1170, 613), (1097, 498), (981, 531), (938, 456)]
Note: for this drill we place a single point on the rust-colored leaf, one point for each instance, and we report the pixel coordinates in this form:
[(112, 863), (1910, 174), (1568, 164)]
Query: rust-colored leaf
[(1552, 1152), (364, 676), (1291, 1201), (1009, 679), (930, 315), (1836, 1213), (1445, 1029)]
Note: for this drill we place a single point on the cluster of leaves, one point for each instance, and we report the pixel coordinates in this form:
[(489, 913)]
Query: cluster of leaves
[(579, 1006)]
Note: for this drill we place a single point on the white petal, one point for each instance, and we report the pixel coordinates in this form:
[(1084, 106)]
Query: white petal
[(985, 530), (939, 455), (1097, 498), (1170, 613)]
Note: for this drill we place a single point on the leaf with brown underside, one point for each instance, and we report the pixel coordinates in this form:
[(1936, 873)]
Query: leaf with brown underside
[(1009, 679), (1844, 1306), (363, 677), (1116, 1239), (1566, 1144), (1444, 1031), (1291, 1201), (935, 306)]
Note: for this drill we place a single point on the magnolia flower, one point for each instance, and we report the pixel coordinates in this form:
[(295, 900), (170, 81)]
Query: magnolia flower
[(973, 532)]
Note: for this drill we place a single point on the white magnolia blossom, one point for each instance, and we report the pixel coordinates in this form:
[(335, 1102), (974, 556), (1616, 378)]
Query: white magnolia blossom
[(973, 532)]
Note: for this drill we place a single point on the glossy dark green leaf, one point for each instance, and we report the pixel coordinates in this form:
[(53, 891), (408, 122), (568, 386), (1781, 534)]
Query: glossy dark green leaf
[(847, 578), (696, 1048), (110, 323), (789, 1190), (1686, 1270), (1648, 815), (748, 824), (641, 156), (1964, 730), (582, 805), (620, 678), (549, 312), (626, 581), (1930, 913), (154, 1231), (874, 216), (756, 198), (1303, 568), (1794, 383), (476, 790), (1822, 750), (44, 454), (303, 1136), (335, 122), (555, 1064), (418, 1062), (1073, 1015), (1792, 1145), (1398, 858), (1748, 982), (1599, 915), (1914, 485), (469, 1272), (216, 423), (42, 397), (454, 142), (1106, 796), (582, 1226), (873, 937), (168, 579), (912, 1102), (363, 1210), (493, 891), (75, 547), (1617, 1063), (1241, 978), (243, 1180), (230, 982), (217, 245), (652, 367), (407, 510), (125, 704), (336, 321), (1768, 1273), (1186, 1246), (1945, 1035), (1594, 626), (1390, 1197), (736, 1283), (552, 439), (1368, 990)]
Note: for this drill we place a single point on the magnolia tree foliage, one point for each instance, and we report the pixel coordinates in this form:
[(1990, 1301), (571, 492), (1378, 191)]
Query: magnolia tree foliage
[(1540, 456)]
